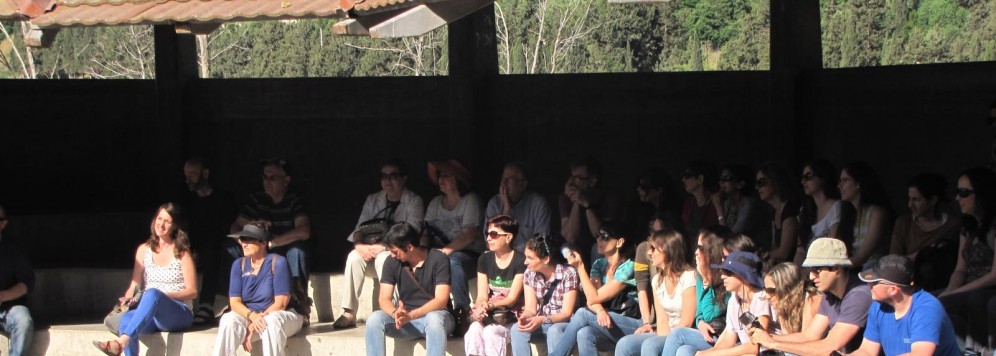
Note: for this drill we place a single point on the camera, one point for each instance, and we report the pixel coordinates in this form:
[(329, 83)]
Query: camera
[(566, 252), (749, 320)]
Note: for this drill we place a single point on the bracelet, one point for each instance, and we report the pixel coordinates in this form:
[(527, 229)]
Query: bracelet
[(248, 313)]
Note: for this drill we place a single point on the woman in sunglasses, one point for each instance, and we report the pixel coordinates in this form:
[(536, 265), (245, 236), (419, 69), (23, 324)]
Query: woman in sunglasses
[(550, 293), (258, 296), (499, 287), (822, 213), (973, 282), (738, 206), (860, 186), (674, 296), (776, 188), (794, 300), (613, 309), (711, 299), (164, 267)]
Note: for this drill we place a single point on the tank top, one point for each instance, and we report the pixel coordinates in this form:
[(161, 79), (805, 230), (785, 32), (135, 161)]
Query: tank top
[(168, 279), (861, 233)]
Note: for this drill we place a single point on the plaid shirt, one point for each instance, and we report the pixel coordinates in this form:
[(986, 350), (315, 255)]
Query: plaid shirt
[(568, 281)]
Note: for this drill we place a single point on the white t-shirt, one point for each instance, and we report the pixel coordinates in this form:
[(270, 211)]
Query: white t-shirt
[(759, 306), (451, 223), (822, 228), (671, 304)]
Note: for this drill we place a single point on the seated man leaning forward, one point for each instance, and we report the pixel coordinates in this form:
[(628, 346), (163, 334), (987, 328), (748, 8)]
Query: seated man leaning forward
[(393, 203), (903, 319), (422, 278), (843, 310)]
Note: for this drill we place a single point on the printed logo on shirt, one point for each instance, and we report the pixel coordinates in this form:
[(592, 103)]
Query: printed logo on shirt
[(501, 283)]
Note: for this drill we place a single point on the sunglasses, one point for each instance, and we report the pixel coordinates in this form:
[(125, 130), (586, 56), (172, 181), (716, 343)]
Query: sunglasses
[(491, 235), (727, 178), (761, 182), (808, 176), (817, 270), (390, 176), (964, 192), (602, 235), (689, 175), (769, 291), (247, 240)]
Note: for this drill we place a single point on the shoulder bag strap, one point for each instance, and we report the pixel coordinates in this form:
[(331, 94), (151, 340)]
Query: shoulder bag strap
[(549, 292), (417, 284)]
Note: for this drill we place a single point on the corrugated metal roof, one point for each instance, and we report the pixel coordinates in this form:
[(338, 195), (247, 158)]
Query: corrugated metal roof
[(69, 13), (8, 10), (380, 5)]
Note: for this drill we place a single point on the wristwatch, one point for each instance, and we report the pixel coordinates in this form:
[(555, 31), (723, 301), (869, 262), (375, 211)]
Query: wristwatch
[(547, 320)]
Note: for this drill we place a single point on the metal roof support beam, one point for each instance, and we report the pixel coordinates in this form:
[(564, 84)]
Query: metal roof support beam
[(473, 68), (176, 66)]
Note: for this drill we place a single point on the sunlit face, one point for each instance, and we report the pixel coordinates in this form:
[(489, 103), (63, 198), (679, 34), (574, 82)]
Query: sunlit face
[(194, 174), (849, 189), (918, 204), (769, 287), (701, 260), (606, 246), (727, 182), (581, 178), (401, 254), (533, 262), (498, 239), (656, 255), (164, 224), (275, 180), (647, 192), (880, 291), (823, 277), (731, 281), (513, 181), (967, 204), (391, 180), (811, 184), (765, 188), (251, 247)]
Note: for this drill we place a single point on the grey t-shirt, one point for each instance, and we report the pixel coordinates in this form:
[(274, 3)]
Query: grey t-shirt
[(451, 223), (851, 309), (532, 213)]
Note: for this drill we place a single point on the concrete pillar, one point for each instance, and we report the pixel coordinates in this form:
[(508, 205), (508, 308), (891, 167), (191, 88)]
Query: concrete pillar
[(473, 65), (176, 65)]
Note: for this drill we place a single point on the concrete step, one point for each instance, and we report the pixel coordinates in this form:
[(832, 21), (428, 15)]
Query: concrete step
[(320, 339)]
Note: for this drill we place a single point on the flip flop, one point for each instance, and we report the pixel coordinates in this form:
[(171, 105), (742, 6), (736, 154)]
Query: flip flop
[(105, 347)]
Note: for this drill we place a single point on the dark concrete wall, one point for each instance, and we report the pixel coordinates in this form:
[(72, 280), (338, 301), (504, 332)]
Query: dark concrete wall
[(78, 159)]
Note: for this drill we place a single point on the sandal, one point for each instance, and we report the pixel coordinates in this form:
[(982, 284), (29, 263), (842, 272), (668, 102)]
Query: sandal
[(204, 315), (106, 348)]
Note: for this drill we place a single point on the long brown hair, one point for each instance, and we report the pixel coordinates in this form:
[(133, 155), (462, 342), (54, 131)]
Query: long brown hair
[(792, 290), (712, 249), (180, 239), (671, 244)]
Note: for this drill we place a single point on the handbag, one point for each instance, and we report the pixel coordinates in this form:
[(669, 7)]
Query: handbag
[(500, 315), (432, 237), (625, 305), (370, 232), (113, 319)]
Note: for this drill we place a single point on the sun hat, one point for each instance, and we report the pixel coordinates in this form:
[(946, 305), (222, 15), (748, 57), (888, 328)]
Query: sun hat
[(827, 251), (745, 265), (453, 167), (253, 232)]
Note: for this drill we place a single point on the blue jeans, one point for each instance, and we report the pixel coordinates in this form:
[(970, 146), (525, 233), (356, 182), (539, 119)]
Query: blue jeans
[(297, 257), (520, 339), (646, 344), (433, 327), (461, 262), (685, 342), (19, 326), (155, 312), (591, 337)]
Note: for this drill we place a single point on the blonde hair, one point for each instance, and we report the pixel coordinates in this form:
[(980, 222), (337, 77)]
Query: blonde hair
[(792, 290)]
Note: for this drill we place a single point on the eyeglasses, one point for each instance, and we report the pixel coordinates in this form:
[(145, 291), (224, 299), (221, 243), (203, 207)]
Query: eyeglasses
[(390, 176), (964, 192), (761, 182), (273, 178), (726, 178), (808, 176), (602, 235), (491, 235)]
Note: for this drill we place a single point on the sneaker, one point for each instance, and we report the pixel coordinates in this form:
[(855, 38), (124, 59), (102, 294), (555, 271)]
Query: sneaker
[(344, 323)]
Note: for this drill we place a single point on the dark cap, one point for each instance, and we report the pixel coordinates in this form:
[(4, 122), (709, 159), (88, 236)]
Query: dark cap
[(893, 269), (253, 232), (745, 265)]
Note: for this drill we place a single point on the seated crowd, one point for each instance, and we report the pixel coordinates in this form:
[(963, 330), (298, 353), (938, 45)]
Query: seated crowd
[(746, 262)]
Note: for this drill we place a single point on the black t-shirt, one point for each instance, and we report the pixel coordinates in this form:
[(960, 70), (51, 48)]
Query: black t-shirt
[(14, 268), (435, 271), (210, 217), (500, 280), (261, 207)]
